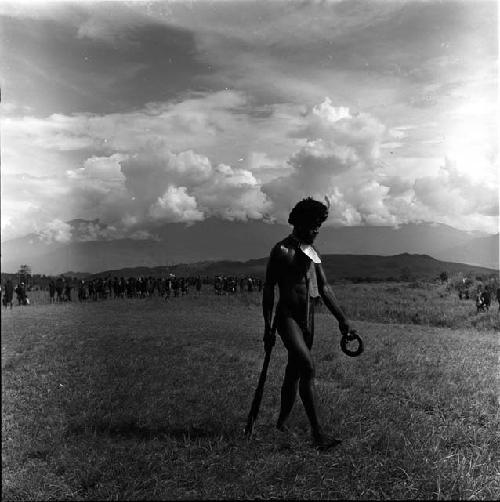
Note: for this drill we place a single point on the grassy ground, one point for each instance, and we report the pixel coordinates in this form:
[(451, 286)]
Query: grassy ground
[(146, 400), (422, 303)]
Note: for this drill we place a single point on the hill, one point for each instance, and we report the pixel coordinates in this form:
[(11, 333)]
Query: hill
[(217, 240), (337, 267)]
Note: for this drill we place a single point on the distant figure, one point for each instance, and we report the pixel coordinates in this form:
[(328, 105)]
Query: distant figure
[(21, 294), (184, 286), (123, 287), (218, 283), (249, 284), (198, 284), (67, 291), (52, 291), (498, 298), (168, 287), (486, 298), (91, 289), (59, 289), (8, 295), (295, 266), (81, 291), (175, 287), (480, 306)]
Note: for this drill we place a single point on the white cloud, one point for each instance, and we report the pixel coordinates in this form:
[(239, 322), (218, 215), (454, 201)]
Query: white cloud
[(339, 161), (162, 163), (451, 193), (176, 205), (101, 169), (56, 231), (161, 183), (232, 194)]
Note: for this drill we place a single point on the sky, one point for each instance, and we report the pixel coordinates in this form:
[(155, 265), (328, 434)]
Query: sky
[(141, 113)]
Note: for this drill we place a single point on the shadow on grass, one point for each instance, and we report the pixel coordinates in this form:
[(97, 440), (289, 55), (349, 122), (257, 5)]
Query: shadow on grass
[(131, 430)]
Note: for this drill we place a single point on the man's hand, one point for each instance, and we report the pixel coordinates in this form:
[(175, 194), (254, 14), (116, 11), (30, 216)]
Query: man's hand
[(269, 339), (345, 327)]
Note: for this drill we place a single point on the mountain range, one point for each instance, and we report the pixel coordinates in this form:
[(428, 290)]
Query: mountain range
[(354, 268), (215, 240)]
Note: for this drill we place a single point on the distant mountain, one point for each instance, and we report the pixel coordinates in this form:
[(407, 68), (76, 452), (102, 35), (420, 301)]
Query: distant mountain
[(479, 251), (216, 240), (337, 267)]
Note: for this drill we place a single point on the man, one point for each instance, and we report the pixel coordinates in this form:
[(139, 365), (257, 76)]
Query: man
[(67, 290), (480, 307), (295, 266), (81, 290), (486, 297), (8, 294), (52, 291), (21, 294), (249, 284), (59, 289)]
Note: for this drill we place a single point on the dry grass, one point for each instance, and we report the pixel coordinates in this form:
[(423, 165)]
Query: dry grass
[(145, 400)]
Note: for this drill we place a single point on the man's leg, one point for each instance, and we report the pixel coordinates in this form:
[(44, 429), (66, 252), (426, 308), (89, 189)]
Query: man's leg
[(288, 391), (299, 355), (300, 364)]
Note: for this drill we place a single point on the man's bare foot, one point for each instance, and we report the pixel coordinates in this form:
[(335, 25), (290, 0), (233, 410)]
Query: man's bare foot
[(282, 427), (286, 430), (324, 442), (286, 433)]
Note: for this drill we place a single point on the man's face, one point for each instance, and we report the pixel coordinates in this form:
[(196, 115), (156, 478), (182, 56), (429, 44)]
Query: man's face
[(307, 233)]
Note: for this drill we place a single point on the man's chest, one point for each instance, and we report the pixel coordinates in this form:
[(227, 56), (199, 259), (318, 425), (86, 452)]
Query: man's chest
[(295, 266)]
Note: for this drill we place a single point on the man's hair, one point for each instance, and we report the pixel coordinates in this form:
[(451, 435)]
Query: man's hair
[(308, 211)]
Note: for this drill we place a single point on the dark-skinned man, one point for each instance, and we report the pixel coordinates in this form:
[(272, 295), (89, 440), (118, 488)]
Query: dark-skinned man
[(295, 266)]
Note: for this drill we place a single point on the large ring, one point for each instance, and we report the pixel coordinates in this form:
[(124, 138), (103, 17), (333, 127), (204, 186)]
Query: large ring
[(349, 338)]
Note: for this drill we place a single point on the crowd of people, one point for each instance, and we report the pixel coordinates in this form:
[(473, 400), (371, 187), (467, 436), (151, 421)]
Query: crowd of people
[(483, 299), (65, 289), (229, 285), (482, 296), (7, 293)]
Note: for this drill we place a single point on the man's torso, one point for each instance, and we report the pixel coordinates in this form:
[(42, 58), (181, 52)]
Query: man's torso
[(293, 273)]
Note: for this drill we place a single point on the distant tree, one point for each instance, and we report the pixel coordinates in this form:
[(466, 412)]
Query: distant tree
[(443, 276)]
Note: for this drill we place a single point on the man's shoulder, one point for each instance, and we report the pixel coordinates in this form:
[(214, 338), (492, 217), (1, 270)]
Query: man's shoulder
[(284, 245)]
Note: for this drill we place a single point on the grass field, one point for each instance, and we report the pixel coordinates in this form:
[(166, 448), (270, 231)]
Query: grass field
[(145, 400)]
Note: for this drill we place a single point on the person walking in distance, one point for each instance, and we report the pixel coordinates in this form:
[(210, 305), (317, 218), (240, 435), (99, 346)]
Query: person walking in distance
[(295, 267), (8, 294)]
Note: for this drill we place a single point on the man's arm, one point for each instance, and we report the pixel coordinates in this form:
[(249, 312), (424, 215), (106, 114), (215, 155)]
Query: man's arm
[(268, 295), (269, 284), (330, 300)]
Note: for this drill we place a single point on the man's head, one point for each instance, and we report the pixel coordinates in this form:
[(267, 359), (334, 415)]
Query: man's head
[(307, 217)]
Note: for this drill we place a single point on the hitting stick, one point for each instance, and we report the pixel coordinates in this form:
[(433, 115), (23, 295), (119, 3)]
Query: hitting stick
[(254, 410)]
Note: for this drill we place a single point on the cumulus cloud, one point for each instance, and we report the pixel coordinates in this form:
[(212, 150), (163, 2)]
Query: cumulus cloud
[(338, 160), (176, 205), (102, 169), (56, 231), (163, 164), (232, 194), (451, 192), (187, 187), (147, 175), (195, 122)]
